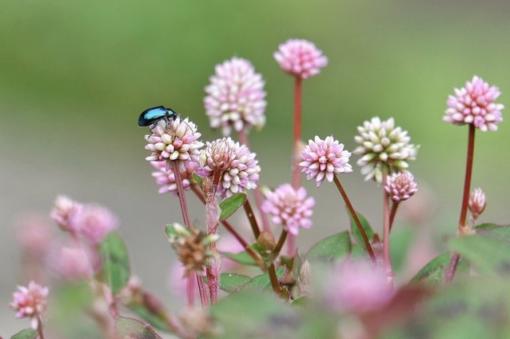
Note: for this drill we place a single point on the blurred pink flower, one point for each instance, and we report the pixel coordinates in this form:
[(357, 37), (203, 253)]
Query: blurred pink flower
[(175, 140), (63, 212), (235, 163), (400, 186), (475, 104), (235, 97), (177, 279), (34, 236), (165, 176), (477, 203), (74, 263), (300, 58), (227, 243), (322, 159), (30, 302), (358, 286), (290, 208), (94, 222)]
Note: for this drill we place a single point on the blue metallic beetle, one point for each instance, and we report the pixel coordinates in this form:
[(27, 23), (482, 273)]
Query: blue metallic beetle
[(152, 115)]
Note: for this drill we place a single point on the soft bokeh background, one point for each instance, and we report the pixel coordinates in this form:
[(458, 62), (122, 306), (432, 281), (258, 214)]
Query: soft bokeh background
[(74, 76)]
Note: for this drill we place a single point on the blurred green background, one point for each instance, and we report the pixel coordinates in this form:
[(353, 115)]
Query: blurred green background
[(74, 76)]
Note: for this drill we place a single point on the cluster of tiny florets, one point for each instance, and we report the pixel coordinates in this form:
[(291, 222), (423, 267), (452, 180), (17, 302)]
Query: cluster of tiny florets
[(384, 148), (400, 186), (165, 176), (174, 140), (300, 58), (236, 166), (289, 207), (323, 159), (235, 97), (475, 104), (30, 301), (94, 222)]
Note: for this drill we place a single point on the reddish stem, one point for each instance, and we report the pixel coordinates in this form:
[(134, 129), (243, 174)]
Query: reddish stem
[(354, 216), (393, 213), (298, 82), (386, 240), (454, 261), (279, 244), (251, 218), (40, 331), (187, 221)]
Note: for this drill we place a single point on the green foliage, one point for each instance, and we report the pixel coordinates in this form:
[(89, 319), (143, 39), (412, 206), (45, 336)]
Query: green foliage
[(156, 320), (231, 204), (132, 328), (331, 248), (401, 239), (262, 281), (366, 226), (433, 271), (233, 282), (26, 333), (115, 269), (244, 258)]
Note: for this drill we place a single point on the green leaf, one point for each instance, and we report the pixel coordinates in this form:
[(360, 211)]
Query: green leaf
[(115, 262), (133, 328), (433, 271), (196, 179), (366, 226), (501, 232), (488, 254), (231, 204), (27, 333), (244, 258), (155, 320), (250, 314), (233, 282), (399, 246), (170, 231), (331, 248), (262, 281)]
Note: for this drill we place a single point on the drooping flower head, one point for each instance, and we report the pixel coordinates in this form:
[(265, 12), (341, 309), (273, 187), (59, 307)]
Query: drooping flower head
[(384, 148), (358, 286), (235, 97), (94, 222), (63, 212), (193, 248), (174, 140), (477, 203), (475, 104), (165, 176), (300, 58), (400, 186), (322, 159), (237, 167), (30, 302), (289, 207)]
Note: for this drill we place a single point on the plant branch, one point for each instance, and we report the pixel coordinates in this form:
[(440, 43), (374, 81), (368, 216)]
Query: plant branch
[(298, 82), (251, 218), (386, 240), (355, 217), (393, 213)]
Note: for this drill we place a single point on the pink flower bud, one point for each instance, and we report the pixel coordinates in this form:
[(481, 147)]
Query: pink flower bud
[(477, 203)]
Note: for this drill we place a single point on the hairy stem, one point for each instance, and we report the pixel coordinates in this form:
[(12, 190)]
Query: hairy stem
[(354, 216), (454, 261), (190, 287), (212, 217), (259, 197)]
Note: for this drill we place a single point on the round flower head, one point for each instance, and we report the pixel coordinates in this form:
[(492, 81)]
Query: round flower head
[(290, 208), (400, 186), (477, 203), (174, 140), (235, 97), (358, 286), (74, 263), (322, 159), (30, 302), (94, 222), (475, 104), (63, 211), (300, 58), (383, 148), (165, 176), (237, 166)]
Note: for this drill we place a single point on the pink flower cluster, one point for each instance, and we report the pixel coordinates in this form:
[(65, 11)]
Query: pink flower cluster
[(165, 176), (475, 104), (322, 159), (400, 186), (289, 207), (300, 58), (235, 97), (30, 301)]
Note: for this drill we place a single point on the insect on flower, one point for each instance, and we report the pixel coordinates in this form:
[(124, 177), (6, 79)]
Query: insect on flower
[(152, 115)]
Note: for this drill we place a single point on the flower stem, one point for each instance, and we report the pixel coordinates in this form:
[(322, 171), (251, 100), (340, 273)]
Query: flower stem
[(251, 217), (279, 244), (259, 197), (251, 252), (40, 331), (393, 213), (386, 240), (190, 287), (212, 216), (454, 261), (355, 217), (298, 82)]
